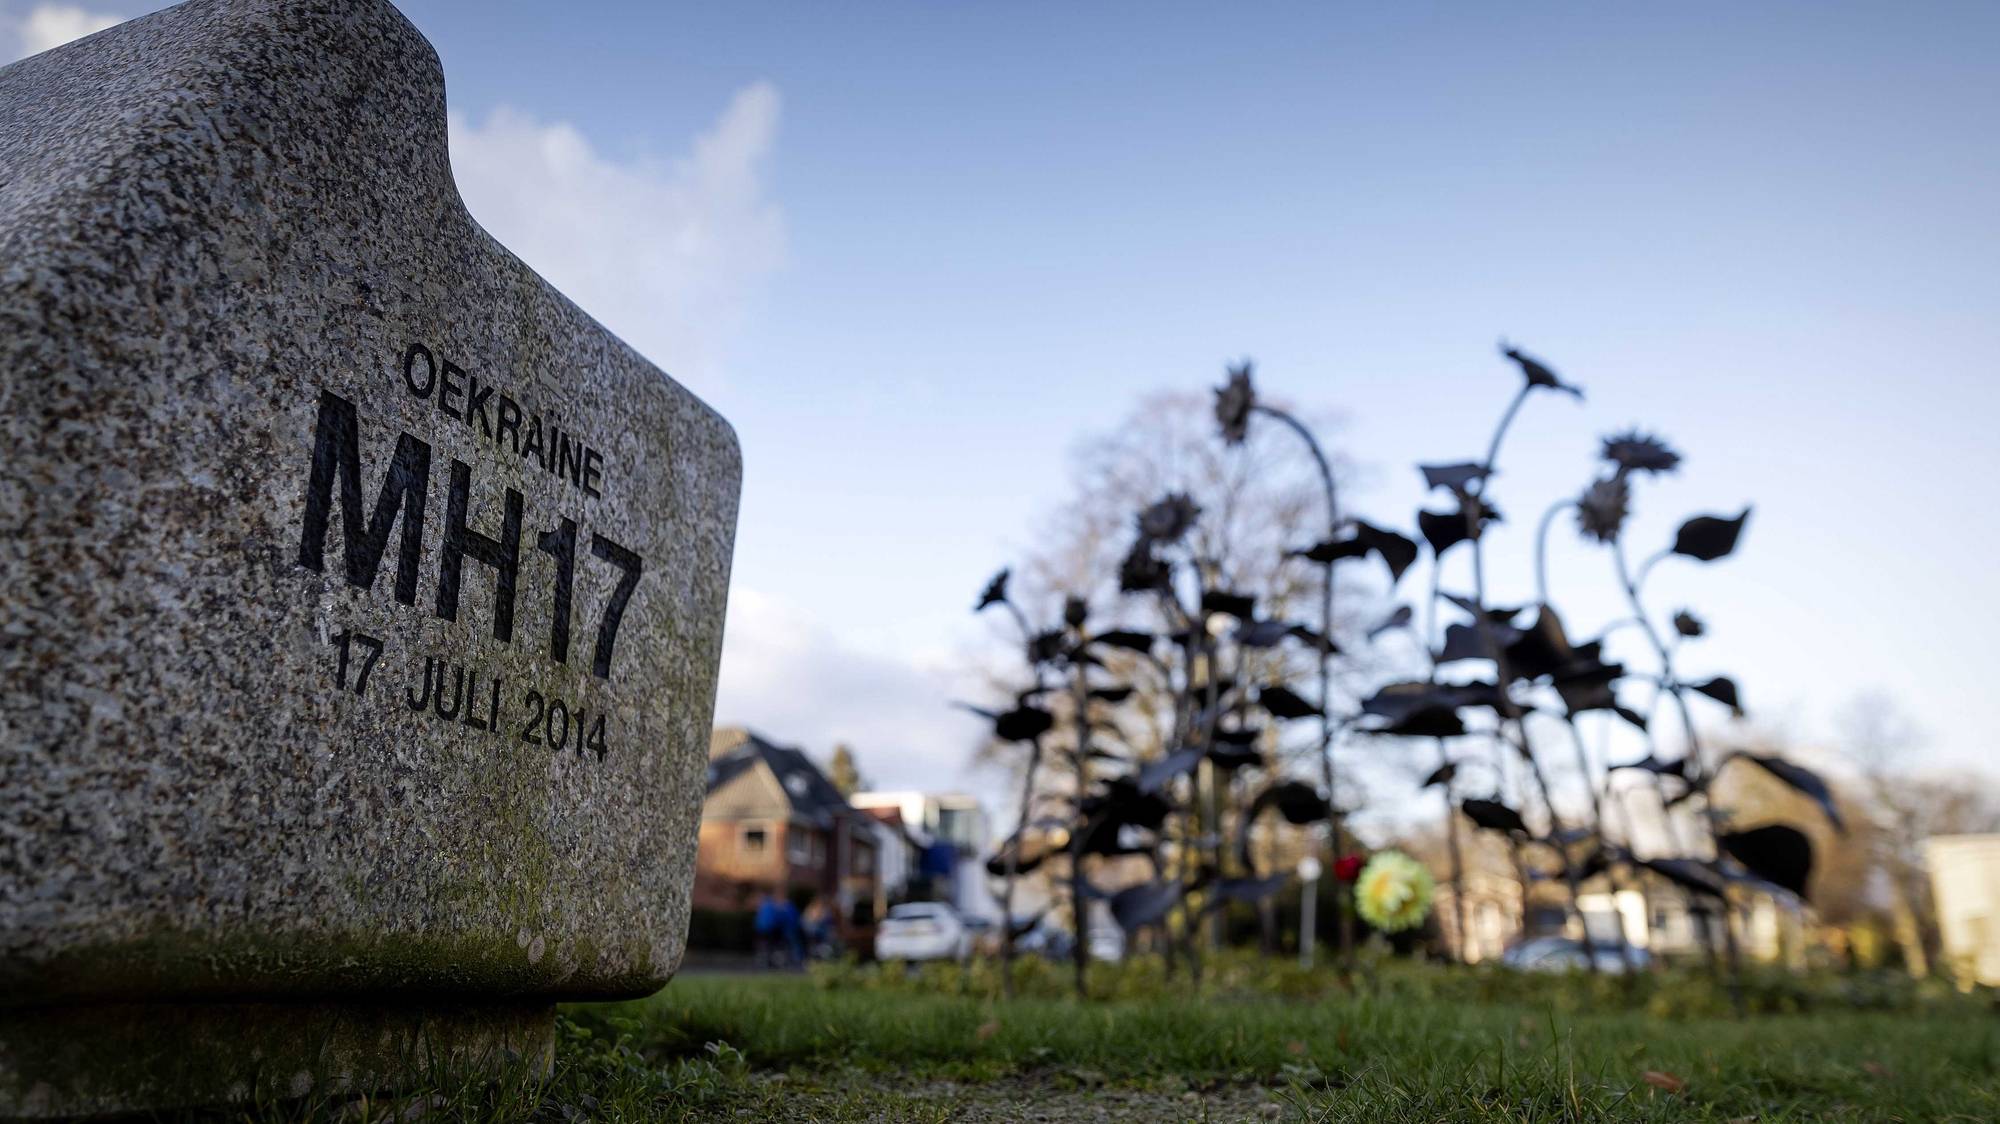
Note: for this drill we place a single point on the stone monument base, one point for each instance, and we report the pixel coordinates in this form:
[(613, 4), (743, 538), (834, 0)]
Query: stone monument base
[(116, 1058)]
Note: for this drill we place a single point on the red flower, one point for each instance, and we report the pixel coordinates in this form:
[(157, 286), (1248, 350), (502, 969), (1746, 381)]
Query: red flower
[(1347, 868)]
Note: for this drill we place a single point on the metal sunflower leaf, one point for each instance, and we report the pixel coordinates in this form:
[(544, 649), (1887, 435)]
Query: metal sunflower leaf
[(1242, 606), (1723, 690), (1249, 890), (1023, 723), (1465, 642), (1399, 700), (1585, 682), (1651, 764), (1436, 721), (1148, 903), (1452, 476), (1398, 619), (1706, 538), (1157, 775), (1397, 551), (1540, 649), (1121, 802), (1141, 642), (1443, 529), (1632, 717), (1283, 702), (1329, 551), (1442, 775), (1297, 801), (1494, 816), (1776, 853), (1312, 638), (1113, 695), (1025, 862), (1230, 758), (1263, 633)]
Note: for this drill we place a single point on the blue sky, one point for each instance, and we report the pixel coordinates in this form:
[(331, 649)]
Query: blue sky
[(915, 252)]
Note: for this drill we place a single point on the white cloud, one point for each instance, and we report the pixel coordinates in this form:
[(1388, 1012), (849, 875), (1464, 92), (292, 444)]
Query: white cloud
[(668, 254), (798, 682), (51, 25)]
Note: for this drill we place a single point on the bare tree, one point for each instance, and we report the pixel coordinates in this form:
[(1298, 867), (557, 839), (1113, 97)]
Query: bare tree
[(1261, 500), (1905, 808)]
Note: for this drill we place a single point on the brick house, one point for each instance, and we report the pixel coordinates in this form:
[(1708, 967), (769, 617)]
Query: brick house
[(772, 820)]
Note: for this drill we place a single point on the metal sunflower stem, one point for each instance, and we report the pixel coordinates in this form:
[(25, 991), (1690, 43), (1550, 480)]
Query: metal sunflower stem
[(1576, 735), (1013, 872), (1444, 759), (1503, 674), (1021, 831), (1336, 841), (1597, 819), (1702, 777), (1614, 801), (1542, 548), (1080, 695)]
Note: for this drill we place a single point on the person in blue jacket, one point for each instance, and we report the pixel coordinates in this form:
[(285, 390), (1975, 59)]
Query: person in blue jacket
[(768, 927), (793, 931)]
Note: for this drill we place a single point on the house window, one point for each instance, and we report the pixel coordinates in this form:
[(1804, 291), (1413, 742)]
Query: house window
[(755, 840), (864, 860), (799, 847)]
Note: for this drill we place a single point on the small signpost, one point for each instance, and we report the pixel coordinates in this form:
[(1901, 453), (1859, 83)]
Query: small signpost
[(1309, 872)]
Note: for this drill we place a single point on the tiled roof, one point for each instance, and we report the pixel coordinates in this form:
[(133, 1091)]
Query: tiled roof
[(807, 789)]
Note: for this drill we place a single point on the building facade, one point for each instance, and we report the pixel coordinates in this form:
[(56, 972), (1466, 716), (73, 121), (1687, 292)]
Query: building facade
[(772, 821), (1965, 883)]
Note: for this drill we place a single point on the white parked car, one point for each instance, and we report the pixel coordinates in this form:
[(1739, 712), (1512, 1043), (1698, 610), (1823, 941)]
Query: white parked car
[(923, 931), (1566, 954), (1107, 943)]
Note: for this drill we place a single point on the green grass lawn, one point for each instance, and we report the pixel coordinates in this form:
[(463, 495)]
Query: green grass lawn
[(1383, 1058), (793, 1048)]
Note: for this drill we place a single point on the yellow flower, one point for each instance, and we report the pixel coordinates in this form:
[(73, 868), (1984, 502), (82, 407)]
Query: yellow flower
[(1393, 892)]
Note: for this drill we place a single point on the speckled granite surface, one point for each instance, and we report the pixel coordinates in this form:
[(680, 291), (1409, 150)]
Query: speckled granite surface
[(256, 364)]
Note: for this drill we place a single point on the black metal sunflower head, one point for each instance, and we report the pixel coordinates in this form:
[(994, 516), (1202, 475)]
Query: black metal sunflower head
[(1142, 571), (1638, 451), (1166, 520), (1075, 611), (1538, 373), (1688, 625), (1233, 402), (1601, 510)]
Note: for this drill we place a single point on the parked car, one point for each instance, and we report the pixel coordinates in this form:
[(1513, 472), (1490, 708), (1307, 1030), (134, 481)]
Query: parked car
[(1046, 939), (923, 931), (1567, 954), (1107, 943)]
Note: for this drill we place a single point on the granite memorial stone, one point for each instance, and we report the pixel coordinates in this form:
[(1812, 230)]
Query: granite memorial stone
[(360, 597)]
